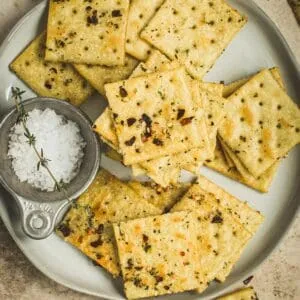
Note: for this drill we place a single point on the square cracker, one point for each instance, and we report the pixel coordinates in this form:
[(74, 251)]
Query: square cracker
[(148, 119), (140, 13), (163, 198), (98, 76), (88, 224), (262, 123), (104, 126), (230, 88), (193, 32), (159, 255), (175, 250), (87, 32), (166, 170), (220, 164), (246, 215), (224, 164), (266, 178), (48, 79), (220, 266)]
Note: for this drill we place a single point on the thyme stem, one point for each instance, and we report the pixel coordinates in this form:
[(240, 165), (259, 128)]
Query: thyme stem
[(17, 96)]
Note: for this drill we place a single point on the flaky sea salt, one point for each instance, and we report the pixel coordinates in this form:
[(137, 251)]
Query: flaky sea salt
[(62, 145)]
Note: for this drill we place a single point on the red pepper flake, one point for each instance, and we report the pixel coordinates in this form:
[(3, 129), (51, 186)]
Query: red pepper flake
[(64, 229), (217, 219), (186, 121), (123, 92), (158, 279), (157, 142), (131, 121), (248, 280), (100, 229), (145, 238), (131, 141), (96, 243), (48, 85), (116, 13), (182, 253), (180, 113)]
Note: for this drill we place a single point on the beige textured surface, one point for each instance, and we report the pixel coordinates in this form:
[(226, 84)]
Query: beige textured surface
[(277, 278)]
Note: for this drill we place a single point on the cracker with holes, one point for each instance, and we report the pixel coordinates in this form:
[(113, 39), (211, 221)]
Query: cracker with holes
[(56, 80), (185, 244), (163, 198), (104, 126), (193, 32), (87, 32), (140, 13), (220, 164), (155, 115), (159, 255), (262, 125), (226, 162), (87, 225), (98, 76), (234, 209)]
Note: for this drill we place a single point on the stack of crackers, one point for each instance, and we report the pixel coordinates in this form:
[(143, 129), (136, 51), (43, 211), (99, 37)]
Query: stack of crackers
[(161, 241)]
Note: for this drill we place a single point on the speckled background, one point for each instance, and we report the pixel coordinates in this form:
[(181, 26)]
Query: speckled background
[(277, 278)]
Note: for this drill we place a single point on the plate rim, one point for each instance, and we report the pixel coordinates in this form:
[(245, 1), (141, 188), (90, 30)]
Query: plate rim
[(271, 249)]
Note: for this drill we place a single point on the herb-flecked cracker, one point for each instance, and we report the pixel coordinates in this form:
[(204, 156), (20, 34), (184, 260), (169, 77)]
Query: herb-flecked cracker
[(220, 164), (262, 123), (48, 79), (193, 32), (98, 76), (265, 179), (230, 88), (87, 32), (140, 13), (88, 224), (227, 234), (249, 217), (160, 255), (155, 116), (104, 126), (163, 198)]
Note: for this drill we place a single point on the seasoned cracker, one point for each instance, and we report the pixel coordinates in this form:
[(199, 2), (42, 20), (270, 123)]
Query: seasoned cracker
[(140, 13), (163, 198), (56, 80), (266, 178), (98, 76), (193, 32), (104, 126), (196, 197), (220, 164), (262, 123), (159, 255), (230, 88), (148, 118), (90, 32), (87, 225)]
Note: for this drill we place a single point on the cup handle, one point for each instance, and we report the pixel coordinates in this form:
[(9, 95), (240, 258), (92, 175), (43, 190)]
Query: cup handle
[(39, 219)]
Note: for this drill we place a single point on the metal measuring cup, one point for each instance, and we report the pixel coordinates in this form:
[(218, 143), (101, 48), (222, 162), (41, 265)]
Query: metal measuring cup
[(40, 210)]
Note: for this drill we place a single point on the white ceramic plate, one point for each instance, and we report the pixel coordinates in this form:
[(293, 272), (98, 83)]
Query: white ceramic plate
[(259, 45)]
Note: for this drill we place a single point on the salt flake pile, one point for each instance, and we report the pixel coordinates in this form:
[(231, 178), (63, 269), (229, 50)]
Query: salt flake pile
[(61, 142)]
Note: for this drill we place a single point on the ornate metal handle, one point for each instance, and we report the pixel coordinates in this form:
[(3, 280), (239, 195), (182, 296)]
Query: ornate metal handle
[(39, 219)]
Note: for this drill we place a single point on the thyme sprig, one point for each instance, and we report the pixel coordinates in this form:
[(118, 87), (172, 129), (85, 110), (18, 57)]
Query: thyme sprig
[(17, 95)]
